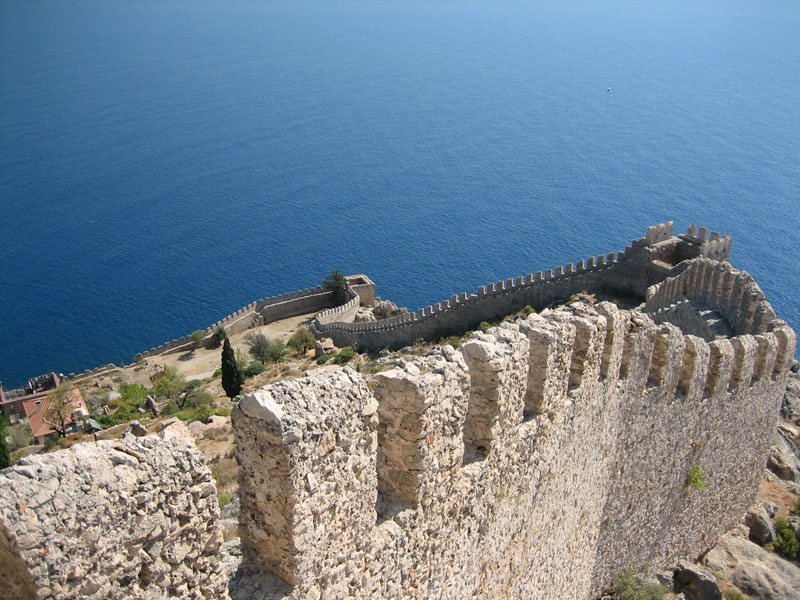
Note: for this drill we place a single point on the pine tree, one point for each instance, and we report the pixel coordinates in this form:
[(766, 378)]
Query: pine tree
[(232, 375), (5, 456), (336, 283)]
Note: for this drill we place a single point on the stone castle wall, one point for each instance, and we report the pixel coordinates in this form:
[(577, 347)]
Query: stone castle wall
[(136, 517), (283, 306), (535, 462), (261, 312), (642, 264)]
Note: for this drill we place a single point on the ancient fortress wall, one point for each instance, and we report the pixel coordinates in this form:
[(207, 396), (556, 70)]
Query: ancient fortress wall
[(283, 306), (644, 263), (733, 295), (261, 312), (536, 461), (136, 517)]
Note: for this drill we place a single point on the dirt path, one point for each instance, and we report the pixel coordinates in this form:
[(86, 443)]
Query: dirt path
[(204, 361)]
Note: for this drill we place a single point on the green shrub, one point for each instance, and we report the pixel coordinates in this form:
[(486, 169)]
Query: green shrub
[(345, 355), (734, 594), (259, 345), (453, 341), (223, 411), (786, 542), (224, 499), (484, 326), (5, 453), (336, 283), (372, 366), (302, 340), (132, 392), (695, 479), (50, 443), (254, 369), (216, 373), (219, 336), (20, 436), (528, 309), (197, 338), (202, 413), (629, 585), (796, 509), (132, 398), (324, 358), (277, 351), (617, 302)]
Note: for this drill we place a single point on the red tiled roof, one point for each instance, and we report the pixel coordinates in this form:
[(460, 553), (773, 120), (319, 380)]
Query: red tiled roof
[(36, 409)]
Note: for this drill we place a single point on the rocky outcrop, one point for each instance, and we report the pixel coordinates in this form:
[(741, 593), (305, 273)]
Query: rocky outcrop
[(759, 524), (753, 570), (136, 517), (695, 583)]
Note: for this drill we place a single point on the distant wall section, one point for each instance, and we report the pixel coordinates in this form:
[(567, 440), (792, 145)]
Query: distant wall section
[(644, 263)]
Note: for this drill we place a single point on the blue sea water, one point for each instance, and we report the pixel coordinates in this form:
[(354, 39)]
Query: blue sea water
[(165, 162)]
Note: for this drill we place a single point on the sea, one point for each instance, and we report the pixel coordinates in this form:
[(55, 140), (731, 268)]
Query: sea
[(166, 162)]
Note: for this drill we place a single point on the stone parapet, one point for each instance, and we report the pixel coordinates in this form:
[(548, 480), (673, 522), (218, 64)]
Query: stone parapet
[(136, 517), (733, 294), (645, 262), (536, 461), (308, 486)]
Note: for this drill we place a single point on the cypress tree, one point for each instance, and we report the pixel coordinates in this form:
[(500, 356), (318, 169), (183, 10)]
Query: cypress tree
[(232, 375), (5, 455)]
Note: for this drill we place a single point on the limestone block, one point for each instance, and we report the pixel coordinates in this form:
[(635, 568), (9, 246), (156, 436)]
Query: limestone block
[(422, 403), (614, 340), (307, 450), (498, 368), (668, 352), (99, 520), (590, 332), (637, 351), (550, 356)]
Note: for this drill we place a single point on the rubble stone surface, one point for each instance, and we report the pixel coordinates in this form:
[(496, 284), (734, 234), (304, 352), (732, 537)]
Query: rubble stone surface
[(136, 517)]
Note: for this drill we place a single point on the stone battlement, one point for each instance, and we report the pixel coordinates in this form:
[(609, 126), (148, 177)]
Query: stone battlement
[(645, 262), (535, 461)]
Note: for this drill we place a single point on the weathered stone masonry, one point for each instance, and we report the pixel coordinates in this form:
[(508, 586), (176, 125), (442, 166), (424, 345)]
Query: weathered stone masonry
[(130, 518), (645, 262), (535, 462)]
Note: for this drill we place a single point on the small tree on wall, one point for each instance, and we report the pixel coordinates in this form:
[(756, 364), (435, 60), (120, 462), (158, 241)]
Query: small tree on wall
[(232, 375), (61, 408), (337, 284), (197, 338)]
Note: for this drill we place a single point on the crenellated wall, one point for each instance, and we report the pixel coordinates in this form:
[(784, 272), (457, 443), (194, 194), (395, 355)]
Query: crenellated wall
[(645, 262), (261, 312), (136, 517), (536, 461), (361, 289), (732, 295)]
